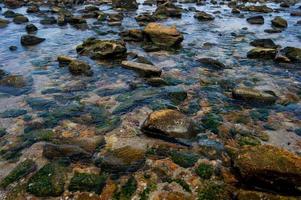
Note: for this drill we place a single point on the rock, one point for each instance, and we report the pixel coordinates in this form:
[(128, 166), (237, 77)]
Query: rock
[(145, 18), (169, 124), (262, 53), (254, 8), (48, 21), (264, 43), (269, 167), (3, 23), (48, 181), (125, 4), (10, 14), (87, 182), (135, 35), (11, 113), (235, 11), (145, 69), (293, 53), (168, 9), (256, 20), (20, 19), (285, 5), (115, 19), (75, 153), (254, 96), (31, 28), (279, 22), (203, 16), (176, 94), (273, 30), (16, 81), (29, 40), (296, 13), (123, 160), (255, 195), (102, 49), (64, 60), (13, 3), (13, 48), (21, 170), (163, 36), (210, 62), (77, 67), (33, 9)]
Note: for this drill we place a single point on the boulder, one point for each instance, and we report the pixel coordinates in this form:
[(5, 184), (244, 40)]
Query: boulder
[(279, 22), (256, 20), (169, 125), (262, 53), (203, 16), (264, 43), (102, 49), (163, 36), (293, 53), (125, 4), (77, 67), (269, 167), (146, 70), (254, 96), (29, 40)]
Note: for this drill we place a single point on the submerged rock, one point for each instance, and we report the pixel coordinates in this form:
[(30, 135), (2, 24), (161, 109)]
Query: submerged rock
[(170, 125), (31, 28), (48, 21), (262, 53), (29, 40), (123, 160), (102, 49), (210, 62), (269, 167), (77, 67), (254, 96), (279, 22), (16, 81), (203, 16), (3, 23), (264, 43), (293, 53), (20, 19), (256, 20), (163, 36), (125, 4), (145, 69)]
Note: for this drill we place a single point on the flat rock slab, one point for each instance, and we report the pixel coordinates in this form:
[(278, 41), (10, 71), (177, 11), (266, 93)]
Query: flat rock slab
[(145, 69)]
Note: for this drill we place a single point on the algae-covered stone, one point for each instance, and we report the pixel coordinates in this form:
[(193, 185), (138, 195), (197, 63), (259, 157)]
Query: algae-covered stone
[(77, 67), (3, 23), (256, 20), (203, 16), (21, 170), (48, 181), (254, 96), (213, 190), (293, 53), (163, 36), (127, 190), (184, 159), (145, 69), (102, 49), (87, 182), (255, 195), (166, 10), (169, 124), (262, 53), (269, 167), (264, 43), (279, 22), (212, 121), (205, 170)]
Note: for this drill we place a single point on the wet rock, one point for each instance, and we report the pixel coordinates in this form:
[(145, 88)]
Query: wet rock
[(87, 182), (31, 28), (269, 167), (176, 94), (264, 43), (254, 8), (115, 19), (127, 190), (33, 9), (145, 69), (13, 3), (77, 22), (255, 195), (21, 170), (296, 13), (10, 14), (13, 48), (203, 16), (235, 11), (123, 160), (125, 4), (135, 35), (61, 20), (279, 22), (29, 40), (13, 113), (293, 53), (256, 20), (77, 67), (163, 36), (285, 5), (166, 10), (273, 30), (102, 49), (48, 181), (254, 96), (144, 18), (205, 170), (262, 53), (20, 19), (210, 62), (184, 159), (75, 153), (3, 23), (38, 103), (169, 124), (214, 190), (64, 60), (48, 21), (16, 81)]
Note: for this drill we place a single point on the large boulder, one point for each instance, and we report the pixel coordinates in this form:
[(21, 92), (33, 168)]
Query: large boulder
[(254, 96), (102, 49), (169, 125), (163, 36), (29, 40), (269, 167), (293, 53), (125, 4)]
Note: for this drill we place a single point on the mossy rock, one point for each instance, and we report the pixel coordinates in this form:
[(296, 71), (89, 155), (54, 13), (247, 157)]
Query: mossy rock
[(212, 121), (255, 195), (248, 140), (127, 190), (2, 132), (146, 192), (87, 182), (21, 170), (48, 181), (184, 159), (205, 170), (213, 191)]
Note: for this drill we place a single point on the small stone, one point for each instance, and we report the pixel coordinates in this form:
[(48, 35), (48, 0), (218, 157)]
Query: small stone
[(145, 69), (3, 23), (31, 28), (29, 40), (13, 48), (279, 22), (203, 16), (20, 19), (210, 62), (256, 20), (64, 60), (48, 21)]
